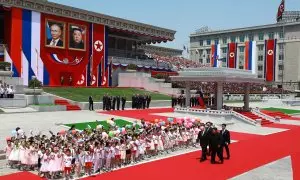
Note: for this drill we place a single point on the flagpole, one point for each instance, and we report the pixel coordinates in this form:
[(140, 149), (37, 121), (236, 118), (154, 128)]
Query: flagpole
[(282, 66), (37, 64)]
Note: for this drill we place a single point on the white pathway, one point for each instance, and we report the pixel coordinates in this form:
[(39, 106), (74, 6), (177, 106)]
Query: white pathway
[(277, 170), (233, 124)]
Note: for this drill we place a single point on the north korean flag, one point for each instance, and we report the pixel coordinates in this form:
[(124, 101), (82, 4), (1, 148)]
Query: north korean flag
[(270, 62)]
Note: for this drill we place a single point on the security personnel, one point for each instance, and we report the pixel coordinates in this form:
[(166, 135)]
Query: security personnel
[(118, 102), (123, 99), (91, 103)]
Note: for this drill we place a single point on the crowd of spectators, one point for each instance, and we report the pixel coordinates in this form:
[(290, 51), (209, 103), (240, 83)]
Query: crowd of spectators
[(232, 88), (176, 62), (6, 91)]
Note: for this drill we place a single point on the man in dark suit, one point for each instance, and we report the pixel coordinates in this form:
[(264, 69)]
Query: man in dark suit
[(203, 139), (108, 103), (123, 99), (144, 101), (91, 103), (56, 32), (215, 146), (148, 101), (173, 100), (209, 130), (114, 100), (118, 102), (104, 102), (225, 140)]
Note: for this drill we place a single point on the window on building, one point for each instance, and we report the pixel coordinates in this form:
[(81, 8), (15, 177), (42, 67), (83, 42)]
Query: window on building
[(232, 38), (224, 40), (281, 57), (201, 51), (208, 42), (280, 67), (281, 35), (216, 41), (201, 61), (260, 68), (251, 37), (271, 35), (260, 58), (242, 49), (201, 42), (242, 38), (224, 50), (208, 60), (261, 36), (260, 47), (260, 76), (208, 51), (281, 46)]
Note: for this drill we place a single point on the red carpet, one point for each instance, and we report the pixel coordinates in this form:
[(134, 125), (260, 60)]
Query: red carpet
[(246, 155), (20, 176), (139, 114)]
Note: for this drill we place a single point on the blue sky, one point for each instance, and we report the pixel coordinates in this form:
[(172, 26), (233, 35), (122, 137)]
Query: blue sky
[(185, 16)]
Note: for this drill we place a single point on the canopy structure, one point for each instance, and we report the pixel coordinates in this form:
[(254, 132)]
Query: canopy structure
[(219, 76)]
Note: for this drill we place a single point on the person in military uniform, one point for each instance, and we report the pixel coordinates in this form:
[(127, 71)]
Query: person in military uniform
[(91, 103), (133, 99), (104, 102)]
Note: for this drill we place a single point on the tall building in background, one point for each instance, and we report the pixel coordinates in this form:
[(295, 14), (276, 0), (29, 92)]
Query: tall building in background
[(286, 48)]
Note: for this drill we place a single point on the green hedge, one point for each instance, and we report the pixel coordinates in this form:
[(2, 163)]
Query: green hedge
[(5, 66), (35, 83)]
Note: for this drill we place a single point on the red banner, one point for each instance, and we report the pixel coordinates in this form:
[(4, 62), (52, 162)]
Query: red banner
[(270, 63), (231, 59), (98, 52)]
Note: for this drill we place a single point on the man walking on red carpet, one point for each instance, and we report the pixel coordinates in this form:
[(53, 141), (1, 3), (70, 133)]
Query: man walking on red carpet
[(215, 146), (203, 139), (225, 140)]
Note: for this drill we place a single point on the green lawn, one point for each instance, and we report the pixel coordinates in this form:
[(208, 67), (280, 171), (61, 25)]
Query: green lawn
[(286, 111), (82, 94), (82, 126)]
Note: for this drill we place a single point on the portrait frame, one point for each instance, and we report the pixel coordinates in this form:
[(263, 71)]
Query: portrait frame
[(62, 25), (83, 28)]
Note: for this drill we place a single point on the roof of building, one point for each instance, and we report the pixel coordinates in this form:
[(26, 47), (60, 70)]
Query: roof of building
[(113, 22), (251, 28)]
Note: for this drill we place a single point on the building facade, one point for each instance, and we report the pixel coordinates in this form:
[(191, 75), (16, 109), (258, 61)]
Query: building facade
[(287, 36), (62, 45)]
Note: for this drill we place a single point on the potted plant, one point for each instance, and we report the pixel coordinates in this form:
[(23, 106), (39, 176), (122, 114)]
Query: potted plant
[(34, 87), (5, 66)]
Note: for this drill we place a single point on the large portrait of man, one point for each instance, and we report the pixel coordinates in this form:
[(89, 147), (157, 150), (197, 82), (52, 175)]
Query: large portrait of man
[(55, 34), (77, 37)]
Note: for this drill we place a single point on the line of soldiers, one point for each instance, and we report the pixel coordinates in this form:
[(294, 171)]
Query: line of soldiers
[(113, 102), (141, 101), (180, 101), (217, 141)]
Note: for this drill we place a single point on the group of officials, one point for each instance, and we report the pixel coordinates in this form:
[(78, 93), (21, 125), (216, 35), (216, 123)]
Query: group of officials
[(180, 101), (141, 101), (216, 141), (113, 102), (109, 103)]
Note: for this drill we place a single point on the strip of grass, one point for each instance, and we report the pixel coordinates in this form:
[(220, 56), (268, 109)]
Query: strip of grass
[(286, 111), (94, 124), (82, 94)]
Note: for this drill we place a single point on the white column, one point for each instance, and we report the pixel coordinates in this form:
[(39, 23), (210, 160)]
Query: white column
[(219, 96), (187, 94), (247, 97)]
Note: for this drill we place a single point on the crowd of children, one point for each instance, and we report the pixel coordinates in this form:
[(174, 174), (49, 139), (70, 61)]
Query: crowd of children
[(97, 150)]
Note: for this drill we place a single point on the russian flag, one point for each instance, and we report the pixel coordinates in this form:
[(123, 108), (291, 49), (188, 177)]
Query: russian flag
[(215, 54), (250, 56)]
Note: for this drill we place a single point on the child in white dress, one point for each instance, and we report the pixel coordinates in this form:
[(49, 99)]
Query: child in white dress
[(8, 150), (67, 158), (45, 158)]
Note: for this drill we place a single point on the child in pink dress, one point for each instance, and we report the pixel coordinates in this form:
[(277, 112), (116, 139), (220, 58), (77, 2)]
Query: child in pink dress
[(8, 149), (45, 158)]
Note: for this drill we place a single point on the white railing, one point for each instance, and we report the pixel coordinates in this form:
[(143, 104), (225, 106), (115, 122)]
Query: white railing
[(262, 115), (245, 119)]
